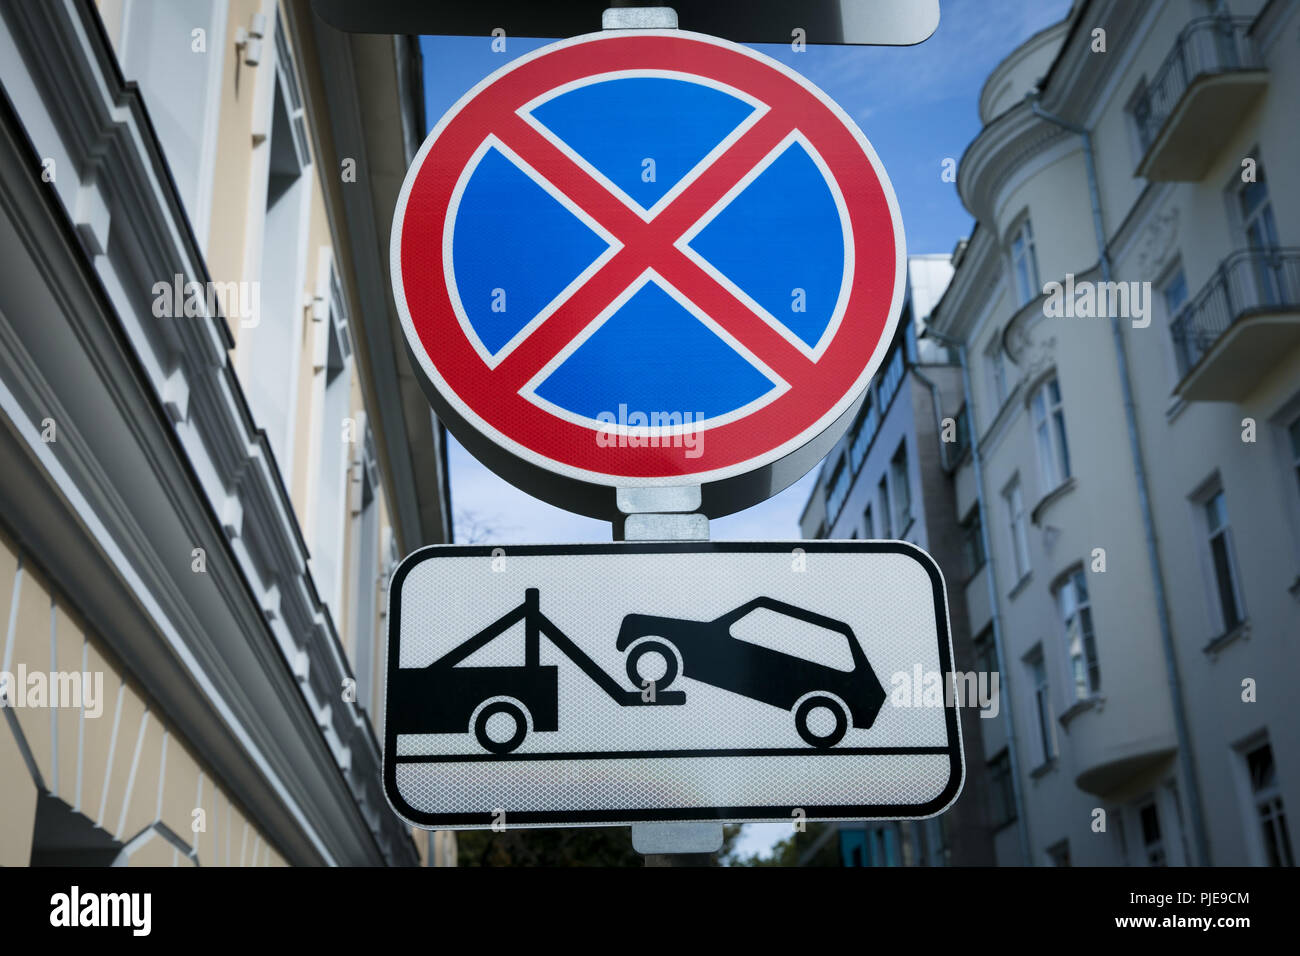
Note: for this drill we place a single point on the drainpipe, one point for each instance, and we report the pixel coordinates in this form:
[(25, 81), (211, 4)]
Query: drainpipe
[(990, 578), (1186, 757)]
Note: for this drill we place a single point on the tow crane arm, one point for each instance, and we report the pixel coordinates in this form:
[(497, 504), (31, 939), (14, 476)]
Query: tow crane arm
[(536, 623)]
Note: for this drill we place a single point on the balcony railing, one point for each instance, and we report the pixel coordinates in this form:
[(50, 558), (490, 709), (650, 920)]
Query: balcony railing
[(1209, 45), (1248, 282)]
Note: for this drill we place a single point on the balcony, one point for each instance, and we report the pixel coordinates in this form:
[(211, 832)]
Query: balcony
[(1241, 324), (1197, 97)]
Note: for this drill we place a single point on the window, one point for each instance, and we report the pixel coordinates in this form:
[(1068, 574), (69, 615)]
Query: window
[(901, 486), (366, 582), (959, 447), (1080, 642), (883, 847), (1121, 835), (1049, 433), (1176, 301), (868, 524), (1015, 502), (1002, 790), (181, 90), (864, 431), (1140, 110), (1175, 294), (972, 542), (1256, 211), (1293, 432), (837, 488), (855, 856), (892, 378), (986, 652), (1270, 812), (1222, 563), (1058, 854), (996, 371), (334, 452), (1041, 690), (886, 513), (1153, 846), (913, 844), (268, 351), (1024, 263)]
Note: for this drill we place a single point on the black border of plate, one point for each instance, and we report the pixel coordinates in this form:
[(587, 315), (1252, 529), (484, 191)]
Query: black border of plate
[(594, 817)]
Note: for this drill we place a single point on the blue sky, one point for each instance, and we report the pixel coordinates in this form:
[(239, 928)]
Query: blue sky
[(917, 105)]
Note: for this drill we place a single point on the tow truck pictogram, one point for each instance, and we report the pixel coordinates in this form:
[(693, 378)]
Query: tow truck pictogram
[(445, 697)]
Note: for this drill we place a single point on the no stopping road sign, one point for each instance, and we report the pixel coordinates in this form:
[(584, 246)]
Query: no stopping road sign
[(651, 258)]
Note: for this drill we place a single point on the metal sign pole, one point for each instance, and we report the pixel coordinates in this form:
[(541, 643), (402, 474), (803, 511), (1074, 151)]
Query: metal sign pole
[(668, 514), (663, 514)]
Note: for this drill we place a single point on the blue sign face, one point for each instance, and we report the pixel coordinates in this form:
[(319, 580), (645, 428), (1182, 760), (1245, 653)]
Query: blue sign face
[(777, 242), (617, 124)]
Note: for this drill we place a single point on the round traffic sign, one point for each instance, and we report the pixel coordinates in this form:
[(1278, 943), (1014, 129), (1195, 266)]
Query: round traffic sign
[(650, 258)]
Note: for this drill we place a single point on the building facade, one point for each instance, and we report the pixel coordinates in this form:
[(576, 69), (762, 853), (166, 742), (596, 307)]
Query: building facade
[(212, 452), (889, 477), (1128, 312)]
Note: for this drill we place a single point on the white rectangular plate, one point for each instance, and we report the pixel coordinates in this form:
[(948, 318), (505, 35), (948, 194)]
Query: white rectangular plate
[(510, 698)]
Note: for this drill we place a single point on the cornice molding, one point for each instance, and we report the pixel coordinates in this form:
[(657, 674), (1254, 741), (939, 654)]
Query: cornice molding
[(223, 490), (975, 282), (1002, 147), (1078, 75), (998, 77)]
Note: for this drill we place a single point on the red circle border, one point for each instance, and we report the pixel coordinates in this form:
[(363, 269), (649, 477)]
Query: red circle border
[(725, 447)]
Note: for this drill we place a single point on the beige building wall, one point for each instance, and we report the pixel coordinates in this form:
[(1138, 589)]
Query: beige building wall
[(126, 769), (233, 181)]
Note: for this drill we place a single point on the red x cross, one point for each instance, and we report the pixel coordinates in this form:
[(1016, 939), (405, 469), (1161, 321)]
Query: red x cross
[(649, 245)]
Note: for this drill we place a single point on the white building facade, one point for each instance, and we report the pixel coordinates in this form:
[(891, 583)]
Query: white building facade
[(1128, 306)]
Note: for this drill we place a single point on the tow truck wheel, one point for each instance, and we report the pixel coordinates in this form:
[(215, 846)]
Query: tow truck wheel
[(512, 710), (642, 648), (802, 721)]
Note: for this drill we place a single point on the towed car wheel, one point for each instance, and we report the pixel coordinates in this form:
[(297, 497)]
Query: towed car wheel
[(658, 649), (821, 721)]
